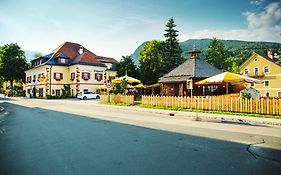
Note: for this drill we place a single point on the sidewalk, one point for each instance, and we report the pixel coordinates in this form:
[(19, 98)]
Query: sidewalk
[(208, 117)]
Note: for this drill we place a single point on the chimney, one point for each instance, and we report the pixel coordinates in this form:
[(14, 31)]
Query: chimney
[(270, 54), (81, 50)]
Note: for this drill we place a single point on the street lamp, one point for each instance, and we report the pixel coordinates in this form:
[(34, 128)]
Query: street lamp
[(108, 81)]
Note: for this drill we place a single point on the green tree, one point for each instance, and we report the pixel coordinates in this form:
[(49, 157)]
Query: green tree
[(126, 64), (151, 59), (232, 65), (119, 88), (173, 50), (1, 83), (216, 54), (37, 55), (12, 63)]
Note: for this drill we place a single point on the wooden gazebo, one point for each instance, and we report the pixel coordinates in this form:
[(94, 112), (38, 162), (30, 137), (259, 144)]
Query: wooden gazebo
[(181, 80)]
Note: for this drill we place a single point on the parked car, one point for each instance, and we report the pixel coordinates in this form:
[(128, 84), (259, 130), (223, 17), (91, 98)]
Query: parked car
[(88, 95)]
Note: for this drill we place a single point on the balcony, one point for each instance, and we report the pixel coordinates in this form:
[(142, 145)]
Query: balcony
[(256, 74)]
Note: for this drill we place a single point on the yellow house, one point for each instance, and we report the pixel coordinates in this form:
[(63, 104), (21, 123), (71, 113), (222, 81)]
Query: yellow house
[(68, 66), (264, 68)]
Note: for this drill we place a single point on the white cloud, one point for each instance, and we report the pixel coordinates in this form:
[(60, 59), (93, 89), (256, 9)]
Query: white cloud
[(257, 2), (270, 17), (262, 26)]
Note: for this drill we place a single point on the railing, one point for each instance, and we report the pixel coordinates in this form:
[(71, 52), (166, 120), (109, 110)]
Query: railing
[(218, 103), (129, 99), (256, 74)]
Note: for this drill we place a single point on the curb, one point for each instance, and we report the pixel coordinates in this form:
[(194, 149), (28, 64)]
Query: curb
[(206, 117)]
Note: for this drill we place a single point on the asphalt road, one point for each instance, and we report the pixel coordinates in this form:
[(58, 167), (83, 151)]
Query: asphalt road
[(53, 140)]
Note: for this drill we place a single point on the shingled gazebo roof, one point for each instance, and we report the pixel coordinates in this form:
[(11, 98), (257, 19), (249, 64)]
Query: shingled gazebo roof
[(192, 68)]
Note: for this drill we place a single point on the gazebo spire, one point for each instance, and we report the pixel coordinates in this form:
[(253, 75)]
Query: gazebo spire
[(194, 53)]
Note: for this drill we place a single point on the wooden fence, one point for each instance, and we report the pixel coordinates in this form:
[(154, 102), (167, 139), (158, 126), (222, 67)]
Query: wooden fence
[(218, 103), (129, 99)]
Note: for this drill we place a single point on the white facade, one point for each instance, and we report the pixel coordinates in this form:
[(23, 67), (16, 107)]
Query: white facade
[(52, 79)]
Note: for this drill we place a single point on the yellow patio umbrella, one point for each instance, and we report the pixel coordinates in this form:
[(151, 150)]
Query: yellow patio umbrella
[(129, 86), (128, 78), (139, 86), (228, 77)]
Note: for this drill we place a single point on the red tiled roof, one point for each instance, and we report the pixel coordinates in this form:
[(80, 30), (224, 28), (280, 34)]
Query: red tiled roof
[(108, 59), (70, 50), (87, 57)]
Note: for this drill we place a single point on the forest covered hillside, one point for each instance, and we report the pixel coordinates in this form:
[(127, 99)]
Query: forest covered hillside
[(237, 49)]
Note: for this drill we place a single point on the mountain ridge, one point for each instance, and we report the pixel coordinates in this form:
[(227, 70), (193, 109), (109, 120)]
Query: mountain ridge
[(29, 54), (236, 48)]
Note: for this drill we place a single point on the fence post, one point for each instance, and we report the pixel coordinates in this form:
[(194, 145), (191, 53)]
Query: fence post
[(202, 103), (197, 103), (247, 105), (218, 99), (274, 106), (279, 105), (210, 101), (267, 106), (231, 107)]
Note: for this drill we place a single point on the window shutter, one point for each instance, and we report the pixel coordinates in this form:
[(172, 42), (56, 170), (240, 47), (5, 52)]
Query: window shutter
[(54, 75), (101, 77), (89, 76), (96, 76), (83, 75), (61, 76)]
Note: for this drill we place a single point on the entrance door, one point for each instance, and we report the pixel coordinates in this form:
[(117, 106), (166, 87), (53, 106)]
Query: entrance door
[(176, 89), (41, 92)]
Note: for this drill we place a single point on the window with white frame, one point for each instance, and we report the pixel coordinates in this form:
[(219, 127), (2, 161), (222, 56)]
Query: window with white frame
[(266, 83), (98, 76), (266, 69), (256, 71), (72, 76), (58, 76), (85, 75), (57, 92), (246, 71), (29, 79), (63, 60), (279, 94)]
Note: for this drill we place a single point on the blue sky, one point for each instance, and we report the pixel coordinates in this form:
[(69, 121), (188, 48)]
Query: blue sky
[(116, 27)]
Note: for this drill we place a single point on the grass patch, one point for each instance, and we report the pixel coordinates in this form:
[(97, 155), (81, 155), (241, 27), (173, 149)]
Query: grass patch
[(114, 104), (137, 103), (212, 112)]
